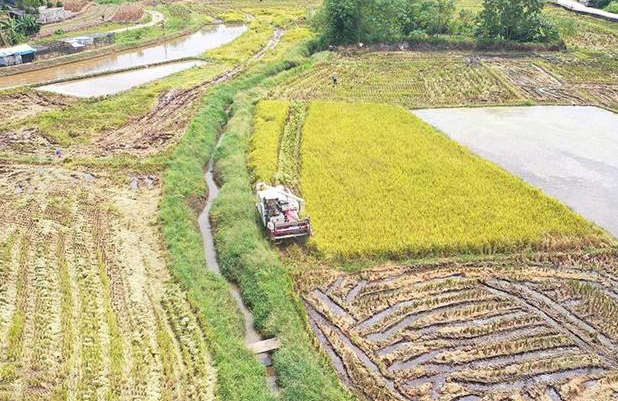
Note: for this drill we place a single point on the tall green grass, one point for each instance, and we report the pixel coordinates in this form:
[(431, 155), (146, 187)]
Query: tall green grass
[(267, 286), (244, 256)]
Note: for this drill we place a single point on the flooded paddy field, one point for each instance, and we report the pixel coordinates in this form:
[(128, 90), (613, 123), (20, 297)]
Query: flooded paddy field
[(571, 153), (187, 46), (114, 83), (541, 329)]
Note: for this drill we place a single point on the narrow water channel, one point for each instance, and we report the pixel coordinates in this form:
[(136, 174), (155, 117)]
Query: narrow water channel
[(186, 46), (251, 334)]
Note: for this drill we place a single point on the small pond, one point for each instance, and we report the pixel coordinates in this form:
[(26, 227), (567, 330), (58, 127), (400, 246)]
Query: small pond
[(186, 46), (114, 83)]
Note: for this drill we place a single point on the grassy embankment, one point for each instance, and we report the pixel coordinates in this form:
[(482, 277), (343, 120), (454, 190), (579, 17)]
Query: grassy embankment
[(244, 256)]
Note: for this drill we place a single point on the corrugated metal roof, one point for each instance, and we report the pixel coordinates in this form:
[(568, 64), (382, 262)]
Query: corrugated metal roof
[(19, 49)]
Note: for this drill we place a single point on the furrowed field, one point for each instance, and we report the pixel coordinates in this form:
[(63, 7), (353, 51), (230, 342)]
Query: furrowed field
[(89, 310), (380, 181)]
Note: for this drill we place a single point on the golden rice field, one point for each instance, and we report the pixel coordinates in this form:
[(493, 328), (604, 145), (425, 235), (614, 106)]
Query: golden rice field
[(88, 310), (268, 125), (379, 181)]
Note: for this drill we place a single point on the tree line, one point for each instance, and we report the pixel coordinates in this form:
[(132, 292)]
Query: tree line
[(352, 21)]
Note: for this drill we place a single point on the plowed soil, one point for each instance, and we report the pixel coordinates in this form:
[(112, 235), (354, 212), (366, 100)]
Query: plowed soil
[(543, 330)]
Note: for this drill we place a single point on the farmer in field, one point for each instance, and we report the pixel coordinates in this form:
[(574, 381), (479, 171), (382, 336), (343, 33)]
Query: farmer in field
[(335, 78)]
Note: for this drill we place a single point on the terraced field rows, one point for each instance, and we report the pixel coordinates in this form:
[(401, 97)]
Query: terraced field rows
[(406, 78), (530, 331), (88, 307)]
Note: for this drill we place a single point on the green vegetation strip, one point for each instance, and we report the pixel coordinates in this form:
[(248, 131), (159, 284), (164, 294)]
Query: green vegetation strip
[(244, 256), (267, 286)]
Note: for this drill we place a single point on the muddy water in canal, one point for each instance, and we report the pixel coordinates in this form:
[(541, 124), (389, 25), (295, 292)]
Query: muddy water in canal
[(187, 46), (251, 334), (571, 153), (114, 83)]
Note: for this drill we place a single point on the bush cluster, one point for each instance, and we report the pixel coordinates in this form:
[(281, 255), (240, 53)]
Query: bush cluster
[(369, 21)]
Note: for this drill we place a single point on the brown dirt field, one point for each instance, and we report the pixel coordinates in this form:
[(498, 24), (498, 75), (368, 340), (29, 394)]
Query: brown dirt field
[(15, 106), (89, 310), (88, 18), (525, 330)]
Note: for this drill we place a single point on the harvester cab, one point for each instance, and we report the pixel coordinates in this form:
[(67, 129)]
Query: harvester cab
[(280, 212)]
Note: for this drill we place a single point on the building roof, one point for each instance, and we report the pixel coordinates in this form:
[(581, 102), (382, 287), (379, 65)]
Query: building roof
[(19, 49)]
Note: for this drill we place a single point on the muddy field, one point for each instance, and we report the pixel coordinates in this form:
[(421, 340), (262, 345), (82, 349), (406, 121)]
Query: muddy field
[(543, 330), (88, 307), (15, 106)]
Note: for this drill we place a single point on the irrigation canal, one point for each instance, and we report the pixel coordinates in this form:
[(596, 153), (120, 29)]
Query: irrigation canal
[(254, 341), (570, 152)]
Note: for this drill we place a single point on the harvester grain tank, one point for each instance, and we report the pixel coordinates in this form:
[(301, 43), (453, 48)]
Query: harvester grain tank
[(280, 212)]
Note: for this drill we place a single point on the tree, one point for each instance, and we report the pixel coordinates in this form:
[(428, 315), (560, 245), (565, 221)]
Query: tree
[(349, 21), (515, 20), (340, 21), (17, 30)]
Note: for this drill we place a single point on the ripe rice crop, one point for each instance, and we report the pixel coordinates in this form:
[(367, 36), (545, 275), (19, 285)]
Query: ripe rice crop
[(268, 125), (493, 330), (379, 181)]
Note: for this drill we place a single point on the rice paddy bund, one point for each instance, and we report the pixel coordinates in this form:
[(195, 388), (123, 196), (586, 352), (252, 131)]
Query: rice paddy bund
[(379, 181)]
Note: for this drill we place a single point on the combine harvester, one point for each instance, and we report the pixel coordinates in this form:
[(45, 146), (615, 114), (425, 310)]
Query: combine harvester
[(280, 212)]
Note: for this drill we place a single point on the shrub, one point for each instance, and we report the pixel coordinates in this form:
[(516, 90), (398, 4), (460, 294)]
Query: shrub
[(515, 20), (129, 12)]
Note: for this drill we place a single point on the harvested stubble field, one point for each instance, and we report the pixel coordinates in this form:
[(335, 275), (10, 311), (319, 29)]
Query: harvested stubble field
[(88, 307), (380, 182), (516, 330), (425, 79), (411, 79)]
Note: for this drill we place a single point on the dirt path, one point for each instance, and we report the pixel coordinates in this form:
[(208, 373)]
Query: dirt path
[(157, 17)]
